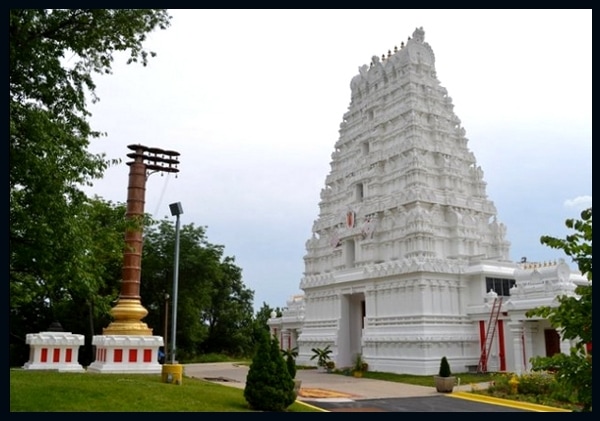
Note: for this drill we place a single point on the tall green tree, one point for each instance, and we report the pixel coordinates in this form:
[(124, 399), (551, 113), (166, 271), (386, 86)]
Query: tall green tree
[(230, 316), (82, 304), (573, 315), (264, 314), (53, 55), (261, 318), (214, 307)]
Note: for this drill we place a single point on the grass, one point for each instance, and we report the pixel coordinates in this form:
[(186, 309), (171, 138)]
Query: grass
[(50, 391), (465, 378)]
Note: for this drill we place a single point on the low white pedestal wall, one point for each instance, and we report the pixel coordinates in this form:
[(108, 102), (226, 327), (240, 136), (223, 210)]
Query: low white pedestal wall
[(54, 351), (126, 354)]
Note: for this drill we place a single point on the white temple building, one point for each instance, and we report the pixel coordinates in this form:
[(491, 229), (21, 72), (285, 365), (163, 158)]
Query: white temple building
[(407, 261)]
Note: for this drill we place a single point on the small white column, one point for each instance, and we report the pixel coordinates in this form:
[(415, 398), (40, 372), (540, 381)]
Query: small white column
[(530, 330), (54, 351), (520, 359)]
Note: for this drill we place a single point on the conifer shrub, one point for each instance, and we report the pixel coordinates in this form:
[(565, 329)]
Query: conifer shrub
[(269, 386), (444, 368), (290, 363), (290, 355)]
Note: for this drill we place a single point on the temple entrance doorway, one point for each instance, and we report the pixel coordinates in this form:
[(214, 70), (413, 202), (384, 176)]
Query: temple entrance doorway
[(552, 342), (351, 328)]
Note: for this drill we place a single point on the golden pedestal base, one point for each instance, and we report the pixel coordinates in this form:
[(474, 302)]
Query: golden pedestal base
[(128, 314)]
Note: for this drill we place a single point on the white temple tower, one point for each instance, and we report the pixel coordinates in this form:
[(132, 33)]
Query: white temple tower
[(407, 261), (403, 214)]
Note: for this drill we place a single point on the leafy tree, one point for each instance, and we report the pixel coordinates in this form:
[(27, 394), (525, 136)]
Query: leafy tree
[(261, 318), (573, 315), (81, 305), (264, 314), (230, 316), (196, 265), (214, 307), (53, 54), (269, 386)]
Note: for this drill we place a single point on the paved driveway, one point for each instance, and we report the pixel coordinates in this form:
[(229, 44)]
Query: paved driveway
[(337, 393), (437, 403)]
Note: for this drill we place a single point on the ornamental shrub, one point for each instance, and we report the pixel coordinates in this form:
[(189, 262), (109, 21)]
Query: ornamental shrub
[(269, 386), (444, 368), (290, 360), (290, 363)]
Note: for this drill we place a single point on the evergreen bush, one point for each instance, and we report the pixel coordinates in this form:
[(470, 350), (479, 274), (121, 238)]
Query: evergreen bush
[(290, 363), (269, 386), (444, 368), (290, 355)]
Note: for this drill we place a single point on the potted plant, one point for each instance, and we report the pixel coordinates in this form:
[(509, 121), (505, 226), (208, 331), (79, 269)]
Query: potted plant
[(322, 355), (444, 381), (360, 365), (330, 366)]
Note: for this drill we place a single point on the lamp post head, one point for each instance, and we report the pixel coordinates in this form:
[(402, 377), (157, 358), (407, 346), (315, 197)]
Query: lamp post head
[(176, 209)]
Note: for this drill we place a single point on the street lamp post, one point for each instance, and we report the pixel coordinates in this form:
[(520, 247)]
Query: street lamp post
[(176, 210), (166, 326)]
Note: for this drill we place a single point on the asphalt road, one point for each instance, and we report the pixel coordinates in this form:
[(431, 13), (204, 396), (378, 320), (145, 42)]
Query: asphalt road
[(437, 403), (336, 393)]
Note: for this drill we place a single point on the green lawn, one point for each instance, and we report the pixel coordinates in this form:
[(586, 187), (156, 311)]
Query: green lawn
[(50, 391), (465, 378)]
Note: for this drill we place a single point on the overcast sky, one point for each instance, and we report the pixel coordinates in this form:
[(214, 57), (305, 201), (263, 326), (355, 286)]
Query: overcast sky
[(253, 99)]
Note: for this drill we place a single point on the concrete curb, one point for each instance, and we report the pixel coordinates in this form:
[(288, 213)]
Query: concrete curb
[(505, 402)]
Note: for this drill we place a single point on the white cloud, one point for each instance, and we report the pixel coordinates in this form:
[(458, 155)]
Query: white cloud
[(579, 202)]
